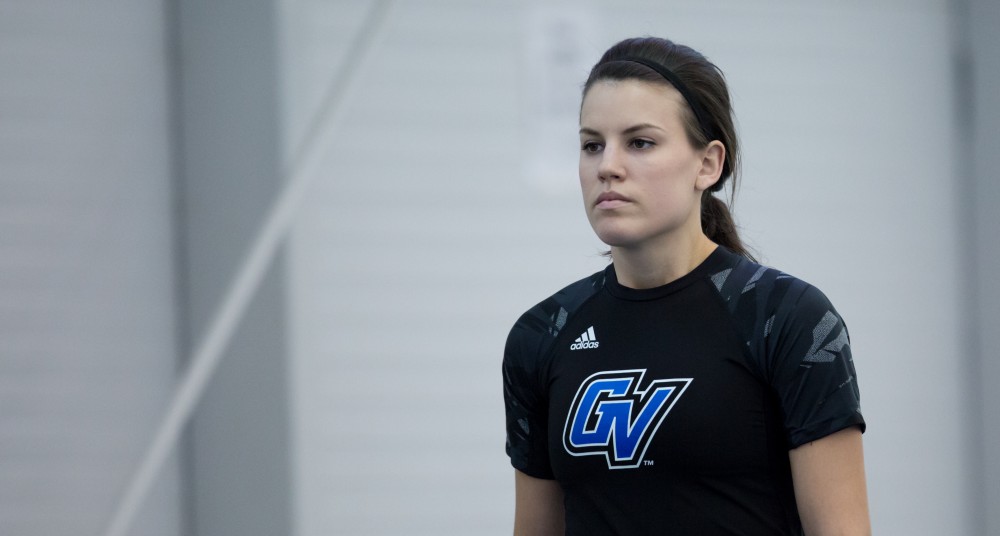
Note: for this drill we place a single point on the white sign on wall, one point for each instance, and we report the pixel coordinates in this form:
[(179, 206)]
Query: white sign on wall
[(558, 52)]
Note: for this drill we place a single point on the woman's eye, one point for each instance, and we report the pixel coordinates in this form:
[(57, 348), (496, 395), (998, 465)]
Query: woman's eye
[(591, 147), (642, 144)]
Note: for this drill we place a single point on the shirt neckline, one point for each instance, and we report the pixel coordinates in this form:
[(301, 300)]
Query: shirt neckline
[(716, 260)]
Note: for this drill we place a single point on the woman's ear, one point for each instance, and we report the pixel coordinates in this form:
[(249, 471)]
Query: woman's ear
[(712, 161)]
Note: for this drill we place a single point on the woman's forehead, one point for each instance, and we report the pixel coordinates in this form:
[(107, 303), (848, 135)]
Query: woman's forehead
[(612, 103)]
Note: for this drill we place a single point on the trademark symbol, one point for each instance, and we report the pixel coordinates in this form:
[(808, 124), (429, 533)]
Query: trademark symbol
[(647, 462)]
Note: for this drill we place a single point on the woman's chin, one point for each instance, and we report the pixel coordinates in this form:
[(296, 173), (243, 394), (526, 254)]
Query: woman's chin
[(617, 238)]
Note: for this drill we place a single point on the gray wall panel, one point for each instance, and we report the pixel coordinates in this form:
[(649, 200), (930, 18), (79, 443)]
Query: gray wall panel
[(237, 478), (980, 138)]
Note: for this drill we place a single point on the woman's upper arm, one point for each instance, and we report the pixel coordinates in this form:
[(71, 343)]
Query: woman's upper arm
[(829, 479), (538, 506)]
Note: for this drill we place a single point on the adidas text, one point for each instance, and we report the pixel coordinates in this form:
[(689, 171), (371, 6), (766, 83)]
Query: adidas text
[(585, 341)]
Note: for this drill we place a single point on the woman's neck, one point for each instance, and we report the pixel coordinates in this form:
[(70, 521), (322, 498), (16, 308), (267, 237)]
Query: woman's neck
[(650, 267)]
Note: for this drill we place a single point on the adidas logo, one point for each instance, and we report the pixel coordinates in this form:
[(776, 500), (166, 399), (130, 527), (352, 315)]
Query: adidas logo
[(585, 341)]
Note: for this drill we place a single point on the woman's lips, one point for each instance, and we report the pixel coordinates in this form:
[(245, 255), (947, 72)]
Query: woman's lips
[(609, 200)]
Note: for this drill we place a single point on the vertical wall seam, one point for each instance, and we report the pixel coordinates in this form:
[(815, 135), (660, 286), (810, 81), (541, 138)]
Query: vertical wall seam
[(967, 250), (182, 301)]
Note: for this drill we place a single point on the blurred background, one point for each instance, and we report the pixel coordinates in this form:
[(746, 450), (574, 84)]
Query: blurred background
[(432, 146)]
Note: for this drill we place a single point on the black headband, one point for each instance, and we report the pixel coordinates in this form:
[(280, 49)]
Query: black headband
[(699, 112)]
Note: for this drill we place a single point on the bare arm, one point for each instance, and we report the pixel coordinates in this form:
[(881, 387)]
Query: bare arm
[(829, 479), (538, 506)]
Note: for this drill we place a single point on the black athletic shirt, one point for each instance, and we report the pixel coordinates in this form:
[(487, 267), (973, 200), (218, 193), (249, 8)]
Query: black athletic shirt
[(671, 410)]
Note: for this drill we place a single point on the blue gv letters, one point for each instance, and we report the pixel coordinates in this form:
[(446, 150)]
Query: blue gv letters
[(610, 416)]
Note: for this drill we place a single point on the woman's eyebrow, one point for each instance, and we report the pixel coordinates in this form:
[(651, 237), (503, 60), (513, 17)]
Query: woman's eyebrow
[(629, 130), (640, 126)]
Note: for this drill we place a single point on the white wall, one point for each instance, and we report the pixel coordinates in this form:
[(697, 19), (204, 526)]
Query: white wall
[(424, 238), (86, 270)]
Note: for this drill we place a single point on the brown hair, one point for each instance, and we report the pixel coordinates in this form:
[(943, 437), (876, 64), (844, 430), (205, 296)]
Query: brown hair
[(705, 84)]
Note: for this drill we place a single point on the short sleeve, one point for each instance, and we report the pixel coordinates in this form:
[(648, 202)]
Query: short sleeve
[(525, 401), (525, 365), (810, 364)]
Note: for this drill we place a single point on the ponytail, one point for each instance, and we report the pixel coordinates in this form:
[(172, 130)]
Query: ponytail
[(718, 225)]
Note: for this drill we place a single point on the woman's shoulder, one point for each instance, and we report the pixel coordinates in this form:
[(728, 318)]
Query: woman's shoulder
[(785, 320), (542, 323), (747, 286), (550, 314)]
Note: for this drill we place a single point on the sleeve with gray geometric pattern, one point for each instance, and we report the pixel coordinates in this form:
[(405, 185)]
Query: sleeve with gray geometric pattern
[(799, 345)]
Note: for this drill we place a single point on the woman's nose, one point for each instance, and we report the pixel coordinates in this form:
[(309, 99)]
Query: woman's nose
[(611, 166)]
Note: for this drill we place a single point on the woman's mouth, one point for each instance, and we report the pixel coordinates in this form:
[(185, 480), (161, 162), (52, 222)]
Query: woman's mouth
[(609, 200)]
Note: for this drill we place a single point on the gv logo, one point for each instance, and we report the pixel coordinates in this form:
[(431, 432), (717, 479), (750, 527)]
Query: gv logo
[(611, 417)]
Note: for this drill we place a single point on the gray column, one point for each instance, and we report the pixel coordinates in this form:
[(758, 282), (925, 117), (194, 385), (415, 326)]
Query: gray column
[(978, 102), (228, 154)]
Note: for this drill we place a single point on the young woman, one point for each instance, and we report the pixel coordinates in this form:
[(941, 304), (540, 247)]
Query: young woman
[(685, 389)]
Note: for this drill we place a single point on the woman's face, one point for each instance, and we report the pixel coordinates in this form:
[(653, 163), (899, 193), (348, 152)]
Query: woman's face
[(641, 178)]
